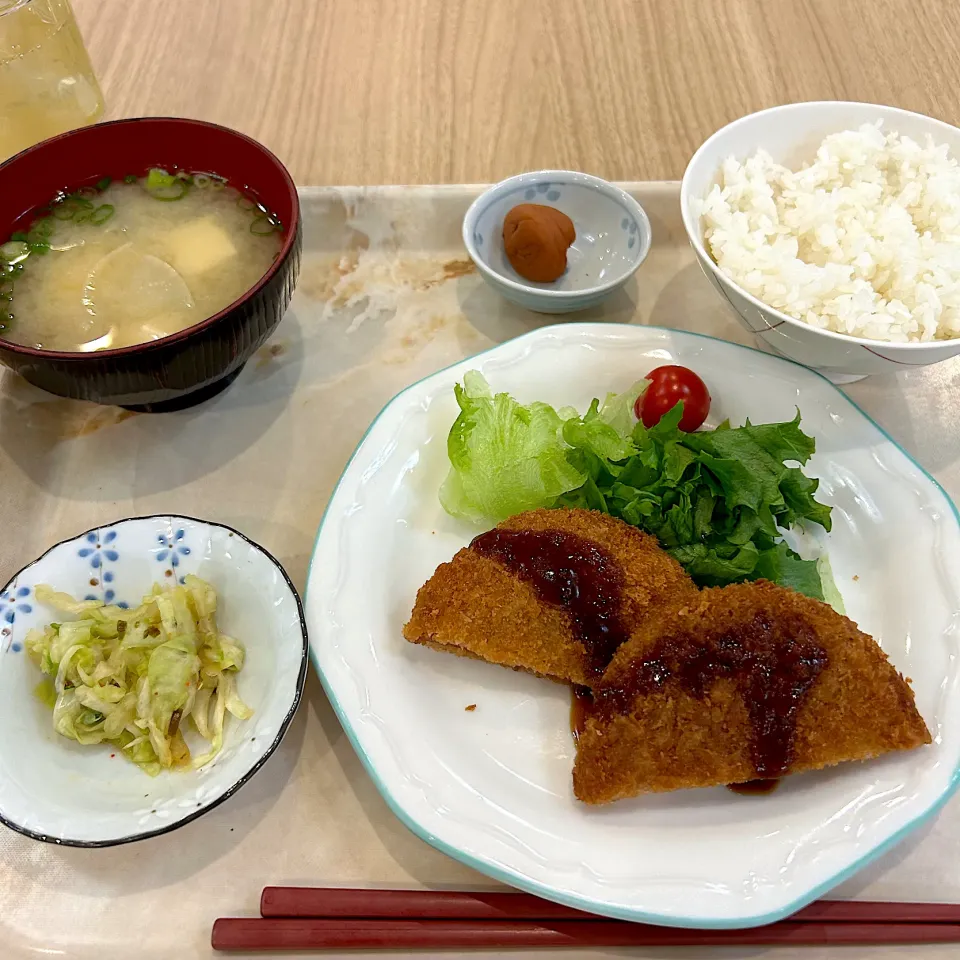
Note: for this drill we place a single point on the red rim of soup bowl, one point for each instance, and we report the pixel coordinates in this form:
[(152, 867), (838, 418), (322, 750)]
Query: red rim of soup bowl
[(94, 133)]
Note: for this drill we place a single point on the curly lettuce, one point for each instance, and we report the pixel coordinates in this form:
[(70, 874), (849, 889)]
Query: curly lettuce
[(718, 500)]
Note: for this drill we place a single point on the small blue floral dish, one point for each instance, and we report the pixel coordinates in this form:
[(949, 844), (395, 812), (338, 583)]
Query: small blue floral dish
[(613, 238), (54, 789)]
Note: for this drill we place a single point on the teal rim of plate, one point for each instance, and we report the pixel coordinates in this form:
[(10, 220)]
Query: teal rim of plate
[(520, 882)]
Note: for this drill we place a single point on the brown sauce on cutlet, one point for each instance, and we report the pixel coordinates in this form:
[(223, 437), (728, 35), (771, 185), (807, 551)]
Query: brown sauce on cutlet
[(581, 706), (570, 572), (774, 663), (754, 787)]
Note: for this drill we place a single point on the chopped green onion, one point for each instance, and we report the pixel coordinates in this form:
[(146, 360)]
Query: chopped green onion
[(164, 186), (130, 178), (104, 183), (158, 177), (102, 214), (89, 213), (39, 246), (19, 236), (177, 191), (183, 175), (14, 251), (263, 226), (40, 229), (70, 207), (218, 183), (245, 203), (201, 181)]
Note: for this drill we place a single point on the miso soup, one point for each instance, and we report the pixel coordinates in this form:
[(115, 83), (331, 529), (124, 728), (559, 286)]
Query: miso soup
[(131, 261)]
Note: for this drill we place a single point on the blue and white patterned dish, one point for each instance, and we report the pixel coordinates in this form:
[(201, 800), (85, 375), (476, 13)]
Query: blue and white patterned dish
[(613, 238), (56, 790)]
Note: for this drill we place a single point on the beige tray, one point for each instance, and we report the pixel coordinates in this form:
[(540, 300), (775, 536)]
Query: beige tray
[(386, 296)]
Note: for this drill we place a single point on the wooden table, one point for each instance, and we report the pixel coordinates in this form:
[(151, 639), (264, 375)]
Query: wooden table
[(461, 91)]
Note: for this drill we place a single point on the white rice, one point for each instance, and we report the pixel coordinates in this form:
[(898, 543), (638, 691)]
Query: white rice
[(864, 241)]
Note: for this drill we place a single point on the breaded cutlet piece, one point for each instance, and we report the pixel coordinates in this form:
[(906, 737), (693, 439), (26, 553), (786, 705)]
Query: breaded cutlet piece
[(664, 720), (475, 606)]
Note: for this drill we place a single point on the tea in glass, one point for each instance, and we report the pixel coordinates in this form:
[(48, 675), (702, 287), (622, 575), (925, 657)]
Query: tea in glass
[(47, 85)]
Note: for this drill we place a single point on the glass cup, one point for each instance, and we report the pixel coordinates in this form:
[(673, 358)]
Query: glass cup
[(47, 85)]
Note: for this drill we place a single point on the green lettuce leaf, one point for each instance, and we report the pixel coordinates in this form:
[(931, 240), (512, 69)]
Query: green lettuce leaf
[(617, 409), (781, 565), (709, 568), (798, 490), (831, 593), (504, 457), (717, 500)]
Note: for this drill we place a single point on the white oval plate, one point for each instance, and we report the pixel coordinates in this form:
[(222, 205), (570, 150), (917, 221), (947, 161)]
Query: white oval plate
[(54, 789), (492, 787)]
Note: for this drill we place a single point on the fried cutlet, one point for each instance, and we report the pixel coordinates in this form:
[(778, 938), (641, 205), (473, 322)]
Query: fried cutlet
[(751, 681), (486, 602)]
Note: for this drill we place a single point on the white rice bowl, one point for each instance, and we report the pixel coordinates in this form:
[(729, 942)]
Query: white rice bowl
[(864, 241)]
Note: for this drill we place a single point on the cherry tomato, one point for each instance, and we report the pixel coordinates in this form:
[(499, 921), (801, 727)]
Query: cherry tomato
[(668, 386)]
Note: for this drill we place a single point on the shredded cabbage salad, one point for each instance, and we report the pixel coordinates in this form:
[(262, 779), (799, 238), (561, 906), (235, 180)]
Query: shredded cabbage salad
[(133, 678)]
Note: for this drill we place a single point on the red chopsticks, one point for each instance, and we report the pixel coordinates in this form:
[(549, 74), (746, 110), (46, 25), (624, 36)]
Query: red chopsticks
[(330, 902), (305, 918), (307, 934), (346, 902)]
